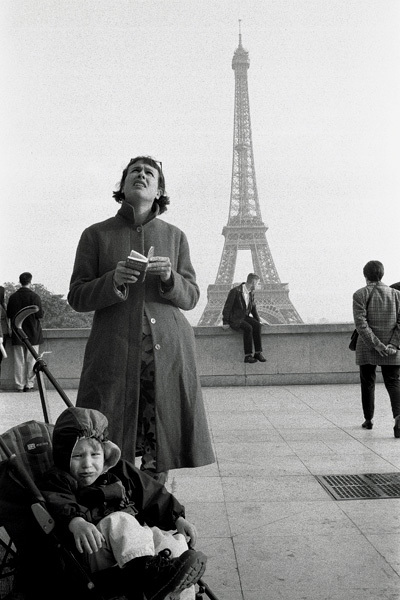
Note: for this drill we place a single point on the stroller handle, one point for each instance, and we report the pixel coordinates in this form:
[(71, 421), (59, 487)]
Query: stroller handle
[(20, 317), (40, 365)]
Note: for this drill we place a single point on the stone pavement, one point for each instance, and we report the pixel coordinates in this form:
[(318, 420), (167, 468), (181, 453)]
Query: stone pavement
[(270, 530)]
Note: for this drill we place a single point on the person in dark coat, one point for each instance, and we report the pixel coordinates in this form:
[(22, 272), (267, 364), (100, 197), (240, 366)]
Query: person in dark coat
[(240, 313), (4, 325), (110, 513), (140, 366), (378, 326), (23, 360)]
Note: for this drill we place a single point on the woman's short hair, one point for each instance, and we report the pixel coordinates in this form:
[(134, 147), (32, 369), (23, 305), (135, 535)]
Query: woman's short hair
[(373, 270), (163, 200)]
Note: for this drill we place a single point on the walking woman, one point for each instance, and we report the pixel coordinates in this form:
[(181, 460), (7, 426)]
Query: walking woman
[(376, 310)]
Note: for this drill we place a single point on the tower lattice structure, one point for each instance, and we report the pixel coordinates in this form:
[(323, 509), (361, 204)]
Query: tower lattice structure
[(245, 229)]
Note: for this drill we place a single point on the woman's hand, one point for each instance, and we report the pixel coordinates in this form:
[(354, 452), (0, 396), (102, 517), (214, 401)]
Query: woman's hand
[(160, 265), (124, 275), (386, 350), (188, 530)]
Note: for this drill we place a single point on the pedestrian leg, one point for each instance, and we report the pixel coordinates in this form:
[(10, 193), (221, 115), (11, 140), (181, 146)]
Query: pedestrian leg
[(29, 364), (390, 374), (256, 333), (19, 367), (367, 378), (247, 338)]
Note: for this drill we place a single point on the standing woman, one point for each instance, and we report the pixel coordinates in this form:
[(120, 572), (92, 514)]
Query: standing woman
[(376, 310), (140, 365), (4, 324)]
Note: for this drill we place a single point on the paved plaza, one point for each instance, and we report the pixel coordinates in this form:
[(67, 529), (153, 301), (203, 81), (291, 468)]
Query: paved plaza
[(269, 528)]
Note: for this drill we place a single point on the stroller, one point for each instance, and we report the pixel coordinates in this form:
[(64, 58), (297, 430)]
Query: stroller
[(34, 563)]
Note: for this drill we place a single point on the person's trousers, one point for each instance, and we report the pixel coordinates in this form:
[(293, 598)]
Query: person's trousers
[(125, 540), (146, 442), (23, 367), (251, 333), (390, 374)]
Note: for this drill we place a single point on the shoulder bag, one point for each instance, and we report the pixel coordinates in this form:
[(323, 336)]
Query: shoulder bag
[(354, 335)]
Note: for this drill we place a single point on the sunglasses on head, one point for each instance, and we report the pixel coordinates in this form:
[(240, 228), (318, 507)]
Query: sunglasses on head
[(158, 162)]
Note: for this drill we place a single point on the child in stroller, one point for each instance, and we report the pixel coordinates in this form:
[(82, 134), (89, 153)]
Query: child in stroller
[(110, 512)]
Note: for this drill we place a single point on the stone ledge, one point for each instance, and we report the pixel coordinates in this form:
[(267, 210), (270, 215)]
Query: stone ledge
[(296, 355)]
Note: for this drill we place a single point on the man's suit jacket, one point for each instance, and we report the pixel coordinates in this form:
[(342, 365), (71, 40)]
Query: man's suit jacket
[(26, 297), (235, 310)]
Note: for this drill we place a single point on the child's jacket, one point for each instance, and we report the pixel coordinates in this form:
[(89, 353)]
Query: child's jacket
[(121, 487)]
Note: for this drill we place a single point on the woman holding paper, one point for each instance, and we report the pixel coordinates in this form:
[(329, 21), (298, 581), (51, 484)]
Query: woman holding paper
[(140, 366)]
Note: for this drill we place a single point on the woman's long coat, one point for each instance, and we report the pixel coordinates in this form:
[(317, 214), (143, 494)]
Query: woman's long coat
[(378, 324), (110, 379)]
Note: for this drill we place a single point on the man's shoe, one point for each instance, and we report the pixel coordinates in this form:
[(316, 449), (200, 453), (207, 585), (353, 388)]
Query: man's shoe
[(250, 359), (27, 389), (163, 575), (19, 391), (396, 427), (367, 424), (260, 356)]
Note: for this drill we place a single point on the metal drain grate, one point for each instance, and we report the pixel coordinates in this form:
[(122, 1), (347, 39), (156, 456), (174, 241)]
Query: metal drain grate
[(369, 486)]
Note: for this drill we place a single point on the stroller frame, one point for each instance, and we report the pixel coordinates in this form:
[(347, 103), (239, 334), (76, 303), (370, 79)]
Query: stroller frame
[(38, 506), (40, 367)]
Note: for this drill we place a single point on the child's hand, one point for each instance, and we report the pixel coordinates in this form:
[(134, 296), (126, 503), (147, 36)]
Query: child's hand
[(188, 530), (87, 537)]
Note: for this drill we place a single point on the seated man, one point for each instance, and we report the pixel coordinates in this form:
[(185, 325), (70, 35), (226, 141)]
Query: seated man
[(109, 511), (240, 312)]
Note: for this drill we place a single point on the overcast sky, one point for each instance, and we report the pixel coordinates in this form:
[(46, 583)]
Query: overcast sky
[(88, 84)]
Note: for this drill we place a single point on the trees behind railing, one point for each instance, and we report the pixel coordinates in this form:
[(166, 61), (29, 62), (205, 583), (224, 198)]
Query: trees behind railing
[(57, 312)]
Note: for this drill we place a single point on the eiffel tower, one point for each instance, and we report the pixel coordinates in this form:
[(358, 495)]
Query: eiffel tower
[(245, 229)]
